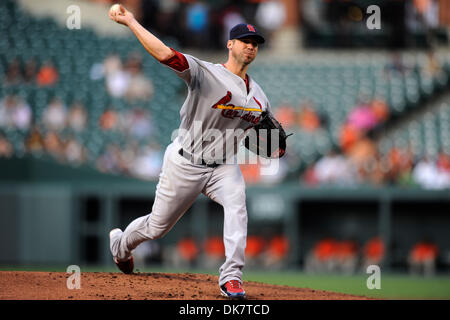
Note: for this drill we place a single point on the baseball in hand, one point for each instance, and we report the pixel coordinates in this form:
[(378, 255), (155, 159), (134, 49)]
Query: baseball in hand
[(115, 9)]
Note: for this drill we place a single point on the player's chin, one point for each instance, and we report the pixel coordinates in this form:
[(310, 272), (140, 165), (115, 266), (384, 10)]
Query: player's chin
[(248, 58)]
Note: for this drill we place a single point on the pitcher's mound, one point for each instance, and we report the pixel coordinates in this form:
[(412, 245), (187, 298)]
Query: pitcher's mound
[(143, 286)]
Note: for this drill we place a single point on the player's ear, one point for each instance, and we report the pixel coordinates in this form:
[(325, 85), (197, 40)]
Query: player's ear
[(230, 44)]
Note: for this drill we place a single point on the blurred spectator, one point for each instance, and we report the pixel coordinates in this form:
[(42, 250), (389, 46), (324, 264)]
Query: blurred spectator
[(443, 162), (110, 160), (148, 162), (15, 113), (117, 79), (270, 16), (13, 74), (97, 71), (422, 258), (55, 115), (286, 115), (380, 109), (321, 257), (35, 142), (334, 169), (348, 136), (400, 166), (74, 152), (329, 255), (276, 252), (395, 160), (427, 175), (422, 15), (77, 117), (186, 252), (47, 75), (313, 14), (140, 124), (7, 111), (362, 153), (197, 20), (6, 149), (308, 118), (432, 66), (139, 86), (232, 16), (253, 250), (309, 176), (214, 252), (31, 70), (374, 170), (363, 117), (124, 81), (53, 145), (108, 120), (346, 256), (373, 253), (129, 154)]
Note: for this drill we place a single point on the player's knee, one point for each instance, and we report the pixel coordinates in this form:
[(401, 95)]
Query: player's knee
[(157, 233), (156, 228)]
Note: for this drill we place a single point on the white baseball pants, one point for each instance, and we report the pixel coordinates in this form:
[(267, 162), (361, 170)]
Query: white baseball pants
[(180, 183)]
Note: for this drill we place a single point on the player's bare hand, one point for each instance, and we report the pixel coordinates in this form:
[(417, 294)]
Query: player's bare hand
[(119, 14)]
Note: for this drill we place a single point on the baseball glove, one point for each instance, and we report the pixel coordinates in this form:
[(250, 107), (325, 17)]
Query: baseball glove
[(268, 138)]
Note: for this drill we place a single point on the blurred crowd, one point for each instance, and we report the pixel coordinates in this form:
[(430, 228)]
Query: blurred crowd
[(126, 134), (64, 132), (398, 167), (261, 252), (357, 159), (124, 79), (118, 135), (30, 72), (205, 24), (330, 255)]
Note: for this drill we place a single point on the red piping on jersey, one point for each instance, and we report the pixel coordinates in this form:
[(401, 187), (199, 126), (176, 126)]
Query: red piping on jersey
[(259, 104), (177, 62)]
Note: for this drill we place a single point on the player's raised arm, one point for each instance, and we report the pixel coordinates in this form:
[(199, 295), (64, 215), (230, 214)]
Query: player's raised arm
[(152, 44)]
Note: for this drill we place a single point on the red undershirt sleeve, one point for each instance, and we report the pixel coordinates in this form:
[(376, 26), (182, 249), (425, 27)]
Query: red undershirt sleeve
[(177, 62)]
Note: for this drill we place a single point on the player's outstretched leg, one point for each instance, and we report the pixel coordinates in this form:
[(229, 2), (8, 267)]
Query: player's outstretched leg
[(179, 185)]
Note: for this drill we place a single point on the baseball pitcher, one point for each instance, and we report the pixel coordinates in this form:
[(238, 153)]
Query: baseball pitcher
[(223, 102)]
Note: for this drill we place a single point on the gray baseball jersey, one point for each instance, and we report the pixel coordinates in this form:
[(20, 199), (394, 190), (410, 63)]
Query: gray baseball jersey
[(218, 109)]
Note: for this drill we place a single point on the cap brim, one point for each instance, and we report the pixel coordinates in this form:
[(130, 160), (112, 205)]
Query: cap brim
[(257, 37)]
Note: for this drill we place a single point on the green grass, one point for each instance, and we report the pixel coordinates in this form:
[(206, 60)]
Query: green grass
[(393, 286)]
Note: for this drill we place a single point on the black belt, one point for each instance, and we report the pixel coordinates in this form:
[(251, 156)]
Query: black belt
[(188, 156)]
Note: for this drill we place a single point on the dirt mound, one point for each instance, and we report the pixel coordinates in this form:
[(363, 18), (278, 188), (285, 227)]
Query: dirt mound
[(143, 286)]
